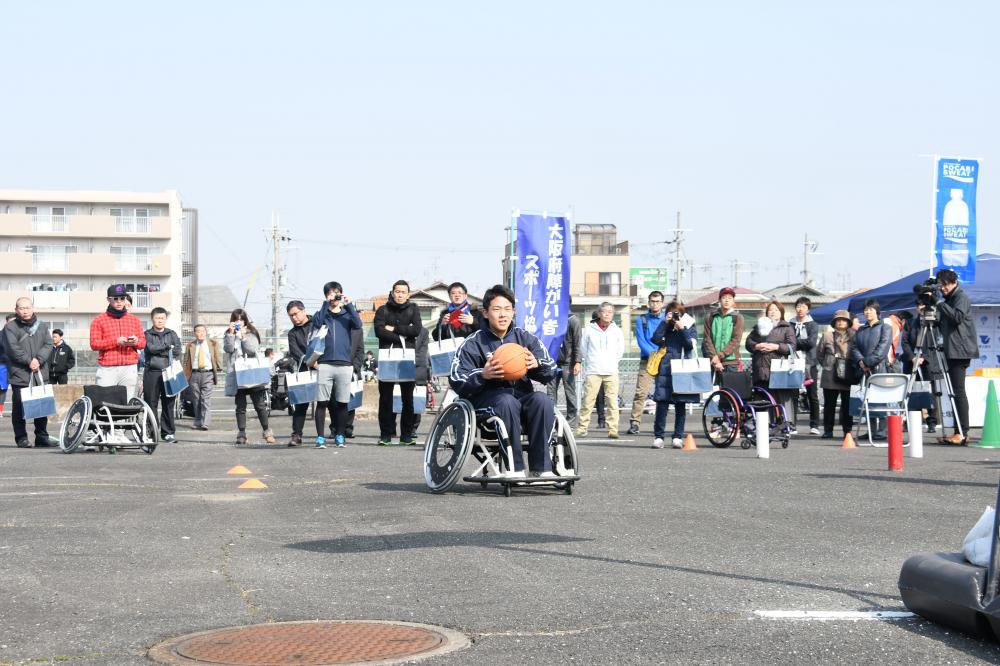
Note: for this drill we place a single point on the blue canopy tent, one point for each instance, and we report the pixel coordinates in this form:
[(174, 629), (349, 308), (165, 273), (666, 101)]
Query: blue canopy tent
[(898, 295)]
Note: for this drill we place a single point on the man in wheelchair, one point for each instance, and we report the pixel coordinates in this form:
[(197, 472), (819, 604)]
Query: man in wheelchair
[(479, 378)]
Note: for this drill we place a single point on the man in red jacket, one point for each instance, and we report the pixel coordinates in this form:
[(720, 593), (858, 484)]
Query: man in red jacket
[(117, 336)]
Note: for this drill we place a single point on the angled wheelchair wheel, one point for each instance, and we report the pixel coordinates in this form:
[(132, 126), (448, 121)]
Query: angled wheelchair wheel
[(569, 464), (721, 417), (448, 445), (75, 424)]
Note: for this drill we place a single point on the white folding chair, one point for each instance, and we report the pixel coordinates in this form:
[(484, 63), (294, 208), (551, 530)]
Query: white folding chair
[(885, 396)]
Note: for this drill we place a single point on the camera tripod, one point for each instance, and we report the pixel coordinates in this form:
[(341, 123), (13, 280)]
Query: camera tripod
[(929, 327)]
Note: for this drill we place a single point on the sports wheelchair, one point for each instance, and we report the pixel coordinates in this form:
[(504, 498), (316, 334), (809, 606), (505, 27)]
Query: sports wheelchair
[(461, 431), (106, 419), (731, 412)]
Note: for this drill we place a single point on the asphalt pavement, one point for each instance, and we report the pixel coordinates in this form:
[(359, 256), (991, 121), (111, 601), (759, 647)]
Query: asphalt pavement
[(659, 556)]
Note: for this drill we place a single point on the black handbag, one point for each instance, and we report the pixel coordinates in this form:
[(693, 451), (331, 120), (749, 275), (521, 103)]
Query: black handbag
[(841, 371)]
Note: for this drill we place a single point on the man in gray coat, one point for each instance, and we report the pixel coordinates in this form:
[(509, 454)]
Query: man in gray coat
[(29, 346), (961, 345), (569, 368)]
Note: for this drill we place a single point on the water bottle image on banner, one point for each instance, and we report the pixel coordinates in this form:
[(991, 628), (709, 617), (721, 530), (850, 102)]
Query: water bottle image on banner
[(955, 251)]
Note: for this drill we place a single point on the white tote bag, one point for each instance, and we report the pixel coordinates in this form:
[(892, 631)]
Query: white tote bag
[(442, 352), (397, 364), (252, 371)]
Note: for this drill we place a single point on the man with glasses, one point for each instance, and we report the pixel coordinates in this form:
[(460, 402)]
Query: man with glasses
[(645, 325), (117, 337)]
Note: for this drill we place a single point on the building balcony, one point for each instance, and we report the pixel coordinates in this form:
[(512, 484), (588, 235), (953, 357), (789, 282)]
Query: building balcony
[(26, 263), (84, 226), (87, 302)]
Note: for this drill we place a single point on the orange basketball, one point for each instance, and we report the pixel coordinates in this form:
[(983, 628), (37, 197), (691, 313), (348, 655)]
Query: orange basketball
[(511, 357)]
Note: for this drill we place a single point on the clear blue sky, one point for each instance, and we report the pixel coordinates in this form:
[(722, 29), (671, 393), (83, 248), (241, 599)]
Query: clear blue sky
[(420, 125)]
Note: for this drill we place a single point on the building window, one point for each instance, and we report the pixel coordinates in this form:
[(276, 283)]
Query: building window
[(595, 239), (131, 221), (132, 257), (610, 284), (50, 257), (56, 221)]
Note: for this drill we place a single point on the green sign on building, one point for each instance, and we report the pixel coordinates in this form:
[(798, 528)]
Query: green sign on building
[(648, 279)]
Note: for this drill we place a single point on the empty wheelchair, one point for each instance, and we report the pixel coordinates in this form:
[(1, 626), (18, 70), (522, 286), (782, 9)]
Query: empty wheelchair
[(731, 412), (461, 432), (104, 418)]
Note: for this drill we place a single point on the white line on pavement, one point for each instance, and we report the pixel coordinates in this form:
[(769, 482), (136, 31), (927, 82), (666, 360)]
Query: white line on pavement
[(833, 615)]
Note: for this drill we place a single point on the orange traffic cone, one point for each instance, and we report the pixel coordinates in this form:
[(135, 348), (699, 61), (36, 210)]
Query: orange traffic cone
[(689, 444), (849, 442)]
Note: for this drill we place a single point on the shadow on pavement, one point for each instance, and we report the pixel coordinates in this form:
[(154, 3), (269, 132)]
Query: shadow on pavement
[(863, 596), (411, 540), (972, 646), (903, 479)]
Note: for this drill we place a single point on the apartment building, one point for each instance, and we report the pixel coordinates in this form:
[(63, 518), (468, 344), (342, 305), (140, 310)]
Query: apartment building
[(63, 248)]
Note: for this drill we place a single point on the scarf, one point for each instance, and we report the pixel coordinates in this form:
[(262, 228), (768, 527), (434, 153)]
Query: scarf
[(800, 328), (764, 326), (603, 326), (117, 314), (31, 324), (455, 311)]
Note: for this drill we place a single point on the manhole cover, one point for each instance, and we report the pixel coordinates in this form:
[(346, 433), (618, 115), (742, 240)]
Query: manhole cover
[(310, 644)]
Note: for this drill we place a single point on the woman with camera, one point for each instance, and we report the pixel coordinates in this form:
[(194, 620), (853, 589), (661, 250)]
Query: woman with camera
[(838, 374), (678, 341), (242, 339), (772, 338)]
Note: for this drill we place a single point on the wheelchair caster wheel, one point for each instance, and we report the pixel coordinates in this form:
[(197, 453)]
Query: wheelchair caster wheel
[(569, 488), (506, 490), (483, 484), (148, 449), (112, 450), (745, 444), (784, 444)]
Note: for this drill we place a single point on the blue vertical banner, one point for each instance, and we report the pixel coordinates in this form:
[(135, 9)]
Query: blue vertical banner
[(541, 281), (955, 217)]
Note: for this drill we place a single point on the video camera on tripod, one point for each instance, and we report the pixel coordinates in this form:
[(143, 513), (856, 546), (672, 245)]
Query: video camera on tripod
[(928, 295)]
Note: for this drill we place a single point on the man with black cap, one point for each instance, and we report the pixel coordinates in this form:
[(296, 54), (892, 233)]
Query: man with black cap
[(117, 337), (724, 333)]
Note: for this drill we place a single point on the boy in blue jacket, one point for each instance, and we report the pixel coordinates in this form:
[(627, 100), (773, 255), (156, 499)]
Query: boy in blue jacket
[(478, 378)]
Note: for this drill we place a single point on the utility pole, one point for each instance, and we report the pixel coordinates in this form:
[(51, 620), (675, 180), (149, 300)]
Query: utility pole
[(808, 247), (678, 235), (277, 238)]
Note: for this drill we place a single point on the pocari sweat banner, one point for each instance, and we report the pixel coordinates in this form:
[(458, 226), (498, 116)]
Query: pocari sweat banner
[(955, 217), (541, 280)]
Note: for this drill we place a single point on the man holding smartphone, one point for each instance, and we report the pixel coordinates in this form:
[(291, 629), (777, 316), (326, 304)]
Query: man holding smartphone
[(117, 337)]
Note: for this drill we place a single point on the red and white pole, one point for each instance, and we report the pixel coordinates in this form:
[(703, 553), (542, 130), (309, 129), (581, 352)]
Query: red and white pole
[(896, 443)]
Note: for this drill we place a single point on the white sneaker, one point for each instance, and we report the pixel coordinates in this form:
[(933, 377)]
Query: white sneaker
[(657, 443), (814, 431), (543, 475), (677, 442), (514, 474), (793, 431)]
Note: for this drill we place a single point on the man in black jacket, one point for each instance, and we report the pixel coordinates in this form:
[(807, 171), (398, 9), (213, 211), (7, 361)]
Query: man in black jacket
[(298, 340), (162, 346), (29, 347), (63, 359), (961, 345), (805, 341), (568, 362), (397, 323)]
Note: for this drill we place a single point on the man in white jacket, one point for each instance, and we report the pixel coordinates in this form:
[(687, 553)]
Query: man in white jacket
[(601, 349)]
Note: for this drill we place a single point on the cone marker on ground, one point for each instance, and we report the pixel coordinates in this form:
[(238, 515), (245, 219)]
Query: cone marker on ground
[(252, 484), (991, 426), (849, 442), (239, 469), (689, 444)]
